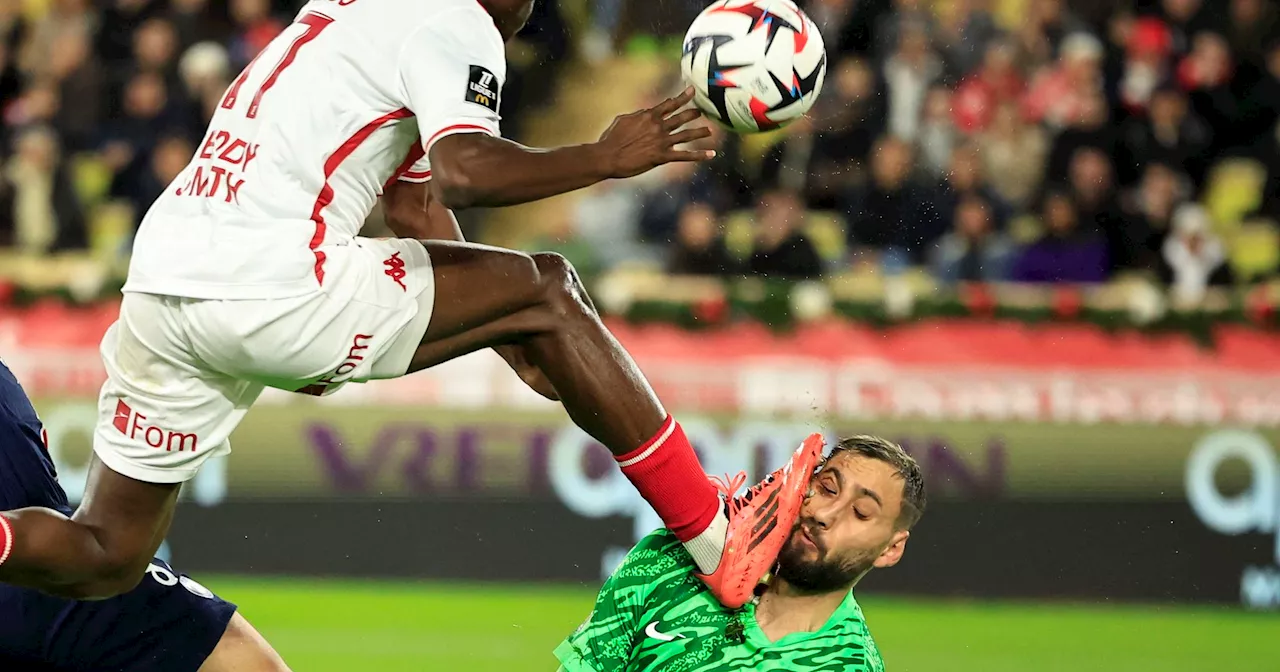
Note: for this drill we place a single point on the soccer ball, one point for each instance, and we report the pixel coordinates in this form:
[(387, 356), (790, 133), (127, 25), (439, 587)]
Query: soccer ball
[(756, 65)]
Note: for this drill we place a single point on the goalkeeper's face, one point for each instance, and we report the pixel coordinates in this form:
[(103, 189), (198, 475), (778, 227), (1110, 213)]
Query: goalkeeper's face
[(847, 526)]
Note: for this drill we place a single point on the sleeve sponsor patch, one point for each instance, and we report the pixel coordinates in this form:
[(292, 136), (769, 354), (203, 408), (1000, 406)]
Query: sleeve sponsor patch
[(483, 88)]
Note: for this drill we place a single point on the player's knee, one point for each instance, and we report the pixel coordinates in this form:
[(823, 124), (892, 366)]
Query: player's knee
[(562, 289)]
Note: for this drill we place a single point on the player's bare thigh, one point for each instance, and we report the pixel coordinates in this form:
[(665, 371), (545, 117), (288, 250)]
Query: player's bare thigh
[(242, 649)]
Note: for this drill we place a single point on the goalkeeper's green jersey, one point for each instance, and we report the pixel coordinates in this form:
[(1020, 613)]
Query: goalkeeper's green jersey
[(654, 615)]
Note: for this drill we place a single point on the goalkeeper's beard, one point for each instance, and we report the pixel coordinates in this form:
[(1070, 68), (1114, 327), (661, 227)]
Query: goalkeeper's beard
[(822, 574)]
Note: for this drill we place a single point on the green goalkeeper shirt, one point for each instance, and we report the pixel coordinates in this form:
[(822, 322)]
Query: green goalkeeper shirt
[(654, 615)]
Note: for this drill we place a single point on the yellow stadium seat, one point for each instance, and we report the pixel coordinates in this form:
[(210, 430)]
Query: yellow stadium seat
[(110, 225), (739, 234), (1254, 250), (1234, 189), (91, 177), (826, 230)]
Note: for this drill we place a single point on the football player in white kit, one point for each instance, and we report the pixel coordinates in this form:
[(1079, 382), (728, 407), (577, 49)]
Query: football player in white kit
[(248, 272)]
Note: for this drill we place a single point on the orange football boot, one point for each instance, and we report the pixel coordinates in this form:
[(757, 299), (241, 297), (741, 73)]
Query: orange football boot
[(760, 522)]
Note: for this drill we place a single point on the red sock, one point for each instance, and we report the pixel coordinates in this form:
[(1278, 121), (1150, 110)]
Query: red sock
[(668, 475)]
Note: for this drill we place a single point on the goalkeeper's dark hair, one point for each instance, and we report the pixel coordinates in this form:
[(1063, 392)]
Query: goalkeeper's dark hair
[(876, 448)]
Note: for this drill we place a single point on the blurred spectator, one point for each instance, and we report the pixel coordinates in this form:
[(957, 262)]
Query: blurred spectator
[(39, 210), (885, 213), (1206, 74), (1046, 25), (1149, 213), (902, 18), (848, 117), (1064, 252), (996, 83), (1251, 28), (908, 74), (195, 22), (719, 183), (155, 47), (171, 155), (964, 31), (62, 16), (1059, 93), (938, 136), (255, 27), (37, 105), (781, 249), (80, 91), (974, 251), (964, 179), (1259, 109), (1146, 64), (606, 15), (1185, 19), (1089, 129), (116, 24), (205, 73), (846, 26), (13, 31), (699, 247), (1014, 154), (129, 140), (533, 64), (788, 163), (1094, 191), (1169, 134), (1194, 258)]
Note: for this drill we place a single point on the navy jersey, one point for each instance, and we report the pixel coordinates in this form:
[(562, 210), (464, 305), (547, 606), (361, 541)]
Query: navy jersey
[(27, 476), (169, 623)]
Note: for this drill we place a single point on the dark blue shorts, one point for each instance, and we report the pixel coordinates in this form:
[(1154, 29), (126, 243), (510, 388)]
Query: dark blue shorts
[(169, 623)]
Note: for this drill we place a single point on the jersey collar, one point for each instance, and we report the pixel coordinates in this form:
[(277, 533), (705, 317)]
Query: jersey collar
[(846, 616)]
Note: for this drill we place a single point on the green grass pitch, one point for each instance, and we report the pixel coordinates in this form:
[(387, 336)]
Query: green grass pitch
[(342, 626)]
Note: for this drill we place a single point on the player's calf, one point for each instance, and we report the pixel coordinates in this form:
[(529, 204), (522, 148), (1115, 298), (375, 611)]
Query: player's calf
[(242, 649)]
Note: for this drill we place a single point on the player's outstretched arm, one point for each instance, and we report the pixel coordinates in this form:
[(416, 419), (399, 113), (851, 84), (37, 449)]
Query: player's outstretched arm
[(101, 551), (479, 170)]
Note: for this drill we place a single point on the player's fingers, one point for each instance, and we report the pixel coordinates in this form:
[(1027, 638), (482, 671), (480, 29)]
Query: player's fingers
[(689, 135), (666, 107), (677, 155), (680, 119)]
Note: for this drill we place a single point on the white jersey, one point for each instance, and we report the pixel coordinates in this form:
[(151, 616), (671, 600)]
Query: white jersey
[(348, 98)]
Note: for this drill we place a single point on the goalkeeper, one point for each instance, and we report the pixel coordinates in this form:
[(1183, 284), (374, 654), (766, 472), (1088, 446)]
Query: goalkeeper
[(653, 614)]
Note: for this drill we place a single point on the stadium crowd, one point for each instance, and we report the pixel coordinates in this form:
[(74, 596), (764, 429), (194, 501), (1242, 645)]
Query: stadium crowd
[(104, 101), (1025, 140), (1029, 140)]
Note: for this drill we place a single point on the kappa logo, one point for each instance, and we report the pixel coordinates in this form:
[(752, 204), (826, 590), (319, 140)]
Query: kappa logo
[(395, 269), (652, 632), (482, 88)]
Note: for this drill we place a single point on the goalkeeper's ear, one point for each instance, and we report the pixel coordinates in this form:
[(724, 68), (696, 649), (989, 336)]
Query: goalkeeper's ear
[(893, 552)]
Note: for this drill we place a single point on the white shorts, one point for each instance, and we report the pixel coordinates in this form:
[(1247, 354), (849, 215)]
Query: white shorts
[(182, 373)]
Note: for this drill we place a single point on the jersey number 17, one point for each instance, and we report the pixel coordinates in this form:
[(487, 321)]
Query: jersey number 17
[(313, 23)]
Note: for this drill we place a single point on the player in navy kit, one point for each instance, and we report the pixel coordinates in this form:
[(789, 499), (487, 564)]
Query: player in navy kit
[(168, 623)]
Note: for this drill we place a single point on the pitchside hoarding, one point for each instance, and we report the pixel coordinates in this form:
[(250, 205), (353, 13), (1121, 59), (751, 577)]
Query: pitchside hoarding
[(1147, 512), (1062, 459)]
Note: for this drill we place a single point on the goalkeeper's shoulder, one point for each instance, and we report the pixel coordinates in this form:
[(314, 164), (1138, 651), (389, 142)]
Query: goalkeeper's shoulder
[(657, 553)]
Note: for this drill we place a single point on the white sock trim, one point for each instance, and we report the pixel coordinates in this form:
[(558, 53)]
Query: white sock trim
[(662, 438), (707, 548)]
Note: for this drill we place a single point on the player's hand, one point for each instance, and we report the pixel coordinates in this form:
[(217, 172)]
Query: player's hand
[(530, 374), (641, 141)]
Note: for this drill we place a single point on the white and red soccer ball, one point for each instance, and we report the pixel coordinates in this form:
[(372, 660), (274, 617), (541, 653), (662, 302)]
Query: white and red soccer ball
[(756, 65)]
